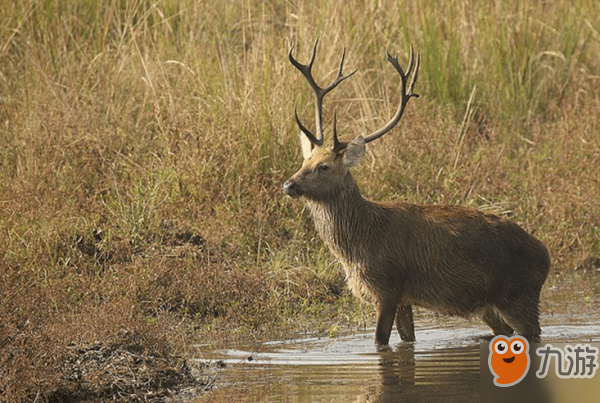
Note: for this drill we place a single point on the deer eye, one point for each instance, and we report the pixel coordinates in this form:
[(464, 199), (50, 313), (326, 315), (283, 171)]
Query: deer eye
[(323, 168)]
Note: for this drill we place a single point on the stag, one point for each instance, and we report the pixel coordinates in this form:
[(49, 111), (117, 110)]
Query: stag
[(447, 258)]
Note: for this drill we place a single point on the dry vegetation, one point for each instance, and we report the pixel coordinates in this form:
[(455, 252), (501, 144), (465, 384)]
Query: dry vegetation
[(143, 146)]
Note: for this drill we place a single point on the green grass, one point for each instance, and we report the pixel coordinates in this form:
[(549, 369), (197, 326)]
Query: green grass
[(143, 146)]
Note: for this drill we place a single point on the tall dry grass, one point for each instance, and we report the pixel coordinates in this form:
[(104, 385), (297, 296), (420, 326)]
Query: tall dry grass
[(143, 147)]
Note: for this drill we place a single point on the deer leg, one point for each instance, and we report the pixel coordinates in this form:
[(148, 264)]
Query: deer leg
[(385, 321), (522, 314), (405, 323), (495, 322)]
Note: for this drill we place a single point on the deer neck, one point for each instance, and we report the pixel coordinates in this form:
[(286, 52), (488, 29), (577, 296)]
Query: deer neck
[(342, 220)]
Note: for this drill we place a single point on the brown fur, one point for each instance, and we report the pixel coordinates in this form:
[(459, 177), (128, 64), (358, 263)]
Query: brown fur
[(450, 259)]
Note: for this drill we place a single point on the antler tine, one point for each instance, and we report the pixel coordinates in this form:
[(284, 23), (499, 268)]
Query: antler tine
[(336, 142), (415, 76), (304, 130), (305, 69), (340, 75), (320, 92), (410, 61), (407, 92)]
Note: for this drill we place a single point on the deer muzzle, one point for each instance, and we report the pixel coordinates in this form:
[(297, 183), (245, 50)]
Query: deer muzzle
[(291, 188)]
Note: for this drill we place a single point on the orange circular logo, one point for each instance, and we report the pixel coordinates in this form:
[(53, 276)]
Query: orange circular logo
[(509, 359)]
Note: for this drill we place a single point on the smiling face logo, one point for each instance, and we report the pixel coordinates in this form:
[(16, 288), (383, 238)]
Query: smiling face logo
[(509, 359)]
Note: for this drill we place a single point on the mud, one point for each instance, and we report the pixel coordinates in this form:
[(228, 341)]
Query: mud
[(128, 372)]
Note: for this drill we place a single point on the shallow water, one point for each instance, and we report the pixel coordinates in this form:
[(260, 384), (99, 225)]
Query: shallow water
[(442, 365)]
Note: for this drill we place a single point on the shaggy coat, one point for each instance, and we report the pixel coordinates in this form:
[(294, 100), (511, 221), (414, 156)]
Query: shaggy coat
[(450, 259)]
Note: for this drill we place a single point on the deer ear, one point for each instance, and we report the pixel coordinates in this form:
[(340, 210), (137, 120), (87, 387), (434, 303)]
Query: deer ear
[(307, 146), (354, 152)]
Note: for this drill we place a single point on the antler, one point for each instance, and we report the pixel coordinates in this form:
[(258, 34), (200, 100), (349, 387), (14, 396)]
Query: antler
[(320, 92), (407, 93)]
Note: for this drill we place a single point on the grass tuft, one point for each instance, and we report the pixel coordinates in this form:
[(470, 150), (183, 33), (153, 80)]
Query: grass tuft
[(143, 146)]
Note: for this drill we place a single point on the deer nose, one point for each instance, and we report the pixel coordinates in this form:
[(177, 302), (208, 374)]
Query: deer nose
[(290, 188), (288, 185)]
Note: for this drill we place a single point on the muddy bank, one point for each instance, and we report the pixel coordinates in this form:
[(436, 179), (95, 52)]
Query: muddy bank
[(126, 370)]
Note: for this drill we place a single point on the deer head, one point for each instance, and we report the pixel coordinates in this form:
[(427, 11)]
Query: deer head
[(325, 167)]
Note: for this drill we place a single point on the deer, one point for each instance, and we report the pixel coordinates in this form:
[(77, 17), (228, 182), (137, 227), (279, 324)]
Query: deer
[(450, 259)]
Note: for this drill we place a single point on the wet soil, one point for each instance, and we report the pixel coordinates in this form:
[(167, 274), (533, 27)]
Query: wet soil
[(128, 371)]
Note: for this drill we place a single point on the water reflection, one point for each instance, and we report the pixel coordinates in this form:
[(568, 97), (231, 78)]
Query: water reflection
[(442, 365), (450, 374), (352, 369)]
